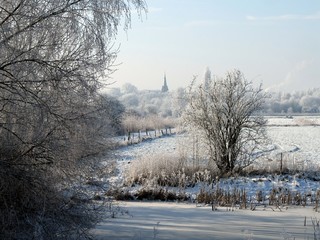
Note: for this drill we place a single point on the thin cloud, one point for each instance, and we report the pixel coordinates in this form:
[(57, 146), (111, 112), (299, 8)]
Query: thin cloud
[(286, 17)]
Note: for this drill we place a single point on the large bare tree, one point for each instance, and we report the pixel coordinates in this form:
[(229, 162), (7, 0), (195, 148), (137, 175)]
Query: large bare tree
[(54, 54), (226, 111)]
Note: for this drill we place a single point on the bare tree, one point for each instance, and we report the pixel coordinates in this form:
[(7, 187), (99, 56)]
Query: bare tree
[(53, 56), (227, 112)]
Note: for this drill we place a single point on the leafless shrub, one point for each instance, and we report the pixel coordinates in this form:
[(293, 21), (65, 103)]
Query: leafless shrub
[(166, 170), (226, 111), (32, 206), (119, 195)]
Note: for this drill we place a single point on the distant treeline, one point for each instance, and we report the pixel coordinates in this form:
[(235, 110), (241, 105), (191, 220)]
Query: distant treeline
[(295, 102), (172, 103)]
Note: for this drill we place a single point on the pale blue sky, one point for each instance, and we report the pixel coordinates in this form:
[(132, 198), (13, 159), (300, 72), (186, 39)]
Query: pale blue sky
[(273, 42)]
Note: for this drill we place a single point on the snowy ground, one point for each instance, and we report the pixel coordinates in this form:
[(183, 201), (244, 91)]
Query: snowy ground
[(296, 138), (175, 221)]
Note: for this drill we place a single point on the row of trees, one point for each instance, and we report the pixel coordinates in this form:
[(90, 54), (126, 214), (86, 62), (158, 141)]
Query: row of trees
[(150, 102), (296, 102), (172, 103), (53, 55), (145, 125)]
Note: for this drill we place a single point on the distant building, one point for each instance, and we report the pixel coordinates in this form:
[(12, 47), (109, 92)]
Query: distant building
[(165, 86)]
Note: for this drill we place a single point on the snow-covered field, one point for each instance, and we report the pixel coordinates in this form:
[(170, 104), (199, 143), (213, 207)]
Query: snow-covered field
[(182, 221), (293, 121), (299, 143), (298, 136), (299, 146), (298, 139)]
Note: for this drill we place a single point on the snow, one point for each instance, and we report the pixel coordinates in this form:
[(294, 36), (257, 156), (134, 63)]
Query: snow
[(126, 154), (171, 220), (301, 143), (297, 139)]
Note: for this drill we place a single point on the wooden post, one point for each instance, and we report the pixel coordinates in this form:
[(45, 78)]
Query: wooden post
[(129, 137), (281, 163)]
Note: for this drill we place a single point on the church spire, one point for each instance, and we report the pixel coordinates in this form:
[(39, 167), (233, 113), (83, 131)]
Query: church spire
[(165, 86)]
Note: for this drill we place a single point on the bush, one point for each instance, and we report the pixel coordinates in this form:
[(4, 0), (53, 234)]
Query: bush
[(147, 193), (159, 194), (32, 207), (166, 170)]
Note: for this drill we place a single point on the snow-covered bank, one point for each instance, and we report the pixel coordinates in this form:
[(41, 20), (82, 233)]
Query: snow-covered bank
[(174, 221)]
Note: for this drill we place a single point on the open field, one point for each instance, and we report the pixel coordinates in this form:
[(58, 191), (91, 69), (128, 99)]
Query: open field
[(295, 140), (298, 146)]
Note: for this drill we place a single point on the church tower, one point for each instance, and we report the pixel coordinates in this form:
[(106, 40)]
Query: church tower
[(165, 86)]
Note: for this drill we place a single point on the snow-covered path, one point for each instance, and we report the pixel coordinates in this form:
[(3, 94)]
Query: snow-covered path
[(174, 221)]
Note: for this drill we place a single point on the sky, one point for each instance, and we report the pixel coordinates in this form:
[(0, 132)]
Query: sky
[(273, 42)]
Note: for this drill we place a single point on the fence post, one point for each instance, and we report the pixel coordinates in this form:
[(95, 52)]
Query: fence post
[(281, 163)]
